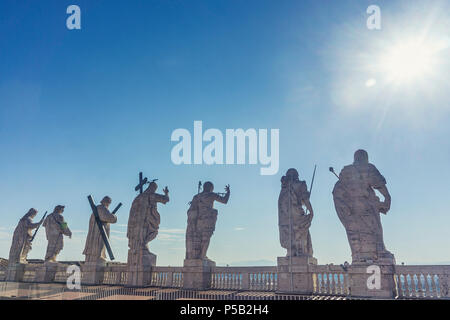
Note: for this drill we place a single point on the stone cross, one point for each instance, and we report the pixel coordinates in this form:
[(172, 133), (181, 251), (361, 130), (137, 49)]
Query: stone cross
[(141, 184), (101, 227)]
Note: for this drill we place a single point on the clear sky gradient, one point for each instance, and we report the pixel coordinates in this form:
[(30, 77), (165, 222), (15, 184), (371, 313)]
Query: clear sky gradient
[(83, 111)]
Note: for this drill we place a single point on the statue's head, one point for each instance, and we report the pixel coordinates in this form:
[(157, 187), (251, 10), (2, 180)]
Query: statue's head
[(292, 174), (59, 209), (361, 157), (106, 201), (208, 186), (31, 213), (152, 187)]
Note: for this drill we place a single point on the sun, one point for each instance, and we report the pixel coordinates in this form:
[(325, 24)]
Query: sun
[(408, 61)]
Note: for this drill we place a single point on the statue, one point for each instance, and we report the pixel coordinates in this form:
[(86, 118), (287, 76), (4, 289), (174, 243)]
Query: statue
[(21, 243), (55, 228), (359, 208), (94, 249), (202, 219), (293, 222), (143, 225)]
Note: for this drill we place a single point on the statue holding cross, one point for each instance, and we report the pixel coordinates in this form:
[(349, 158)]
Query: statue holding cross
[(143, 225), (94, 249)]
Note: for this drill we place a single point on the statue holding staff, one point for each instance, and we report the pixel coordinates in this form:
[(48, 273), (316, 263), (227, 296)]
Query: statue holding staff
[(359, 209), (293, 222), (21, 242), (55, 229)]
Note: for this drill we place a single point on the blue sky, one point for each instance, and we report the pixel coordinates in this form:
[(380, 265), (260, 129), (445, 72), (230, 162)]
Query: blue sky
[(83, 111)]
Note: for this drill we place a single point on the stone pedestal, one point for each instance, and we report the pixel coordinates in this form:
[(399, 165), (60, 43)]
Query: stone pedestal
[(197, 274), (295, 274), (140, 272), (15, 272), (93, 272), (47, 272), (363, 280)]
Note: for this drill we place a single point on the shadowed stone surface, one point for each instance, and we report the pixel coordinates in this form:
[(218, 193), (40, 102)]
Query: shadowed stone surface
[(359, 209), (143, 225)]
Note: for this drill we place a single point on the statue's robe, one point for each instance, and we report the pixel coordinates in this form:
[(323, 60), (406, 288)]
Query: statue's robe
[(94, 249), (21, 243), (143, 223), (290, 209), (201, 223), (358, 208), (55, 228)]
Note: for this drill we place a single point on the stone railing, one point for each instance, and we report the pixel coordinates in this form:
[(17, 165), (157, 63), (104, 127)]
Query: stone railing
[(330, 280), (411, 282), (245, 278), (167, 277), (422, 281)]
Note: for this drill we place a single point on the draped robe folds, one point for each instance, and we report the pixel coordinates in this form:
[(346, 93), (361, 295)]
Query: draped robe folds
[(201, 224), (143, 222), (94, 249), (290, 210), (358, 208), (54, 231), (21, 243)]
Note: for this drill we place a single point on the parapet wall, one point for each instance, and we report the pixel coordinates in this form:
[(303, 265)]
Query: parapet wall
[(414, 281)]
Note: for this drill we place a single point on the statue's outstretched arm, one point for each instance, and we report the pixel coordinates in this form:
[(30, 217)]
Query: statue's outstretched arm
[(224, 199)]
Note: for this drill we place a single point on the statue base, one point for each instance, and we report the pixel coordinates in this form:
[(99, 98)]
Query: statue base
[(15, 272), (93, 272), (140, 273), (47, 272), (295, 274), (374, 280), (197, 273)]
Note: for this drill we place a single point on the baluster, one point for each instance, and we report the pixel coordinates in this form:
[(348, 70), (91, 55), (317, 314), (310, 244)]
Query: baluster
[(331, 281), (314, 278), (406, 283), (433, 288), (340, 278), (222, 280), (321, 283), (272, 281), (238, 281), (419, 286), (400, 285), (416, 286), (330, 284), (230, 286), (412, 285), (325, 283), (429, 290)]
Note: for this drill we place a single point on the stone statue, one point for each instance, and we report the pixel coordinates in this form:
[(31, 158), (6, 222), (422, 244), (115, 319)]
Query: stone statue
[(21, 243), (202, 219), (55, 228), (359, 208), (94, 249), (143, 225), (293, 222)]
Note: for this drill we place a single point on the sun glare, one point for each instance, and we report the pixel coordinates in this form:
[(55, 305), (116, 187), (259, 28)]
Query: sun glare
[(408, 61)]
